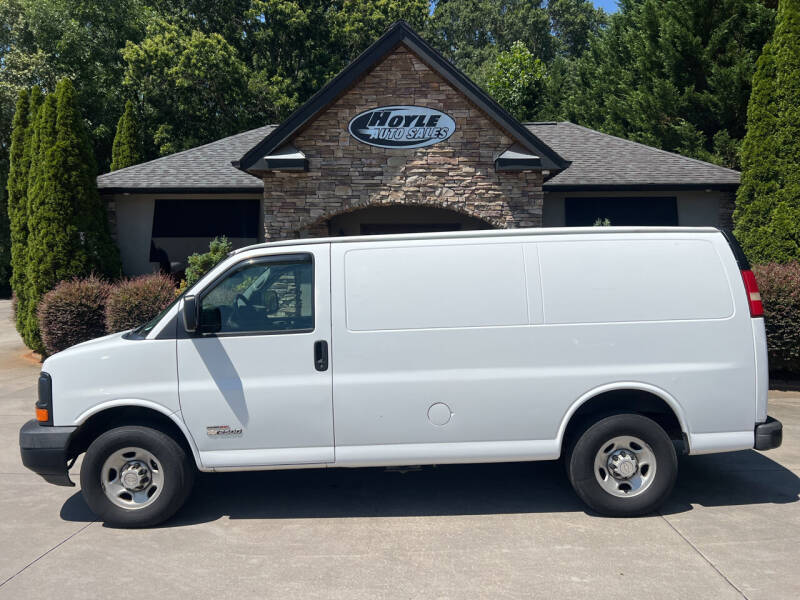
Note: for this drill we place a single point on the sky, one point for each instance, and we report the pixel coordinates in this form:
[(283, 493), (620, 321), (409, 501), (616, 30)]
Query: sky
[(607, 5)]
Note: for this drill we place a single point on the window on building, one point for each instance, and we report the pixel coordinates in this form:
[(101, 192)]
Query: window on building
[(182, 227), (645, 210), (205, 218)]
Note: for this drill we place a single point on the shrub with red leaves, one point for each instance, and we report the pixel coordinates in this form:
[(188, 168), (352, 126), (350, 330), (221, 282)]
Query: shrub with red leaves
[(133, 302), (779, 285), (73, 312)]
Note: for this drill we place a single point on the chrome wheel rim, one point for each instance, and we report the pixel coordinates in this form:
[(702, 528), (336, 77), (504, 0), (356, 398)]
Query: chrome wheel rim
[(625, 466), (132, 478)]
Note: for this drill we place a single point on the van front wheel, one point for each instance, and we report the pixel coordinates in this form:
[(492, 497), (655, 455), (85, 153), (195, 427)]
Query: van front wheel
[(135, 476), (623, 465)]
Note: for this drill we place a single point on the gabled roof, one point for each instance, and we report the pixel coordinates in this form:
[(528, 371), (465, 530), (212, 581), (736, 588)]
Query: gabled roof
[(600, 161), (207, 168), (399, 33)]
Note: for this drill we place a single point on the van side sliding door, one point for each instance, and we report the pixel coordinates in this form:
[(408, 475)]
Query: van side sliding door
[(432, 342)]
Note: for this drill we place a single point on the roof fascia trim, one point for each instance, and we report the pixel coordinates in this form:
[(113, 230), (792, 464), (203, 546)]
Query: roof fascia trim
[(182, 190), (634, 187)]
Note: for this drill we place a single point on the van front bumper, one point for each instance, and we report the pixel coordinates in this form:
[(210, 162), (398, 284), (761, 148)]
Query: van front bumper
[(769, 434), (45, 449)]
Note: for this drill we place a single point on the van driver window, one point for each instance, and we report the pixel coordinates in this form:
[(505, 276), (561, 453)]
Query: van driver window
[(261, 298)]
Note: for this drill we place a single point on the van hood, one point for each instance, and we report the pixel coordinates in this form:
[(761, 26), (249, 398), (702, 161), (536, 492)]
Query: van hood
[(97, 346)]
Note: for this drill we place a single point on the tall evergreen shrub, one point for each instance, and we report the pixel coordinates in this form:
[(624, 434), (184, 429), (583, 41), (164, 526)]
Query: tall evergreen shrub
[(77, 174), (17, 191), (68, 225), (767, 213), (46, 221), (126, 150)]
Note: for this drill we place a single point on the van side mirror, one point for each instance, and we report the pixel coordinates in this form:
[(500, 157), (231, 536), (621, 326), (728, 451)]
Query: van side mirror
[(190, 313), (271, 301)]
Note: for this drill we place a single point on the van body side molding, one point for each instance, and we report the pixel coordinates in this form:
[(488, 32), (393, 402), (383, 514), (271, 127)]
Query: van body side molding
[(445, 453), (725, 441)]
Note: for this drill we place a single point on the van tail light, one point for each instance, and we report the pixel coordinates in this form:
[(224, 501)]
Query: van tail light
[(753, 295)]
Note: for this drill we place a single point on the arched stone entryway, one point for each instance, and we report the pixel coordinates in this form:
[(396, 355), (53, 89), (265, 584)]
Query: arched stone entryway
[(393, 218)]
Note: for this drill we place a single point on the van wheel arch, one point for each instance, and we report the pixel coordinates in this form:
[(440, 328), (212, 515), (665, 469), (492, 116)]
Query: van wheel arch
[(620, 401), (121, 416)]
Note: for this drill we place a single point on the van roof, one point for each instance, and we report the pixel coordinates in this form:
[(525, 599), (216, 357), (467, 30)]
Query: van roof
[(479, 233)]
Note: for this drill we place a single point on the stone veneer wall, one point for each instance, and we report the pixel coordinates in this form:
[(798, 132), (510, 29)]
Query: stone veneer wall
[(345, 175)]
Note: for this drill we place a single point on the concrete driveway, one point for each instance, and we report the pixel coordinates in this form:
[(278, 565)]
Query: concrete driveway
[(730, 530)]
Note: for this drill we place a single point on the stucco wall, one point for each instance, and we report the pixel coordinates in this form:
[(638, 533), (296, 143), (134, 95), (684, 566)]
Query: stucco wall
[(695, 208), (344, 174)]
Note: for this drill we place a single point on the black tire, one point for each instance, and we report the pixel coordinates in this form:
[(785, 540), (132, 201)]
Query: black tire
[(580, 463), (178, 476)]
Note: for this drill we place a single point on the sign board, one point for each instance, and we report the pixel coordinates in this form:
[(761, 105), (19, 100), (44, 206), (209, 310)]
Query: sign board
[(402, 126)]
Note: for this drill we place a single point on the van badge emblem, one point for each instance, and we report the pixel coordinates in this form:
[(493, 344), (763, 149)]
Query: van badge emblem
[(402, 126), (223, 430)]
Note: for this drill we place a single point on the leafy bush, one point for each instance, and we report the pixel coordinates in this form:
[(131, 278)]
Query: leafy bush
[(200, 264), (133, 302), (780, 290), (72, 312)]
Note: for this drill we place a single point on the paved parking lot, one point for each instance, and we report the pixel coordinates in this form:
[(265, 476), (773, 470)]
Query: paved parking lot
[(730, 530)]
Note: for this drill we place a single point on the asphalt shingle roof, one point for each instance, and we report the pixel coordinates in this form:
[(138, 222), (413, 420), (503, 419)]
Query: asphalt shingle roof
[(599, 159), (205, 167)]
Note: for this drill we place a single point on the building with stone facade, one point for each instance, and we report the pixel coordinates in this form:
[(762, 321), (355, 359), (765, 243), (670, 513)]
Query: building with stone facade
[(401, 141)]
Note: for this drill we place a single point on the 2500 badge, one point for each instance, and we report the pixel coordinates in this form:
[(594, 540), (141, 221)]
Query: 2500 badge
[(402, 126)]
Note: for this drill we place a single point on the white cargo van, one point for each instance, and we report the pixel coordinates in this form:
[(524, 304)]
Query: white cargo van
[(609, 347)]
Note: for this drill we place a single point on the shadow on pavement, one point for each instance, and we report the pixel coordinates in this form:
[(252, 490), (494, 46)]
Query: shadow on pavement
[(716, 480)]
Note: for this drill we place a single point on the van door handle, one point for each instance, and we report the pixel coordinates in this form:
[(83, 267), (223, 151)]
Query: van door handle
[(321, 355)]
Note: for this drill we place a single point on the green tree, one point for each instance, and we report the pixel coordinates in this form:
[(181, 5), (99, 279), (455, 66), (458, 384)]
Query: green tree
[(17, 189), (5, 232), (43, 139), (225, 17), (200, 264), (42, 41), (767, 213), (358, 22), (674, 74), (68, 226), (515, 79), (77, 174), (294, 48), (125, 151), (193, 87), (574, 22), (471, 32), (19, 184)]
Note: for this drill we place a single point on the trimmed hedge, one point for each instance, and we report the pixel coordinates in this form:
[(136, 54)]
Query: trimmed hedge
[(133, 302), (73, 312), (779, 285)]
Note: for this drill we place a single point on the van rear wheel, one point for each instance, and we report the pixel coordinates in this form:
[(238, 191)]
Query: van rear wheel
[(135, 476), (623, 465)]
